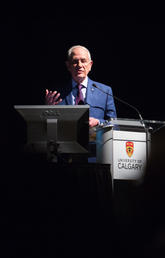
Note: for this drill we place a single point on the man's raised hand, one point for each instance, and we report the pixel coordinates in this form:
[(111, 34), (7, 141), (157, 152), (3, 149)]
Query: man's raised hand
[(52, 97)]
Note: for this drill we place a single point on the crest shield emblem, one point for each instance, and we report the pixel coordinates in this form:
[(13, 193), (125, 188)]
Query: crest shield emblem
[(129, 148)]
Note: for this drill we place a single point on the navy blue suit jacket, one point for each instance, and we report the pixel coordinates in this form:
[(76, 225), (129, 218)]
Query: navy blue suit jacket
[(101, 105)]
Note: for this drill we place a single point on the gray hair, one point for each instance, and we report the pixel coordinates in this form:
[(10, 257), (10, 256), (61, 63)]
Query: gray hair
[(70, 51)]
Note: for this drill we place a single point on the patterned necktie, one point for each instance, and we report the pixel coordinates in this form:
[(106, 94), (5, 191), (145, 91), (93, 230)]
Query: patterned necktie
[(79, 98)]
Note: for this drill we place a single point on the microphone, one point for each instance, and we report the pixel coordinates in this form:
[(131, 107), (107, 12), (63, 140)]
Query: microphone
[(122, 101)]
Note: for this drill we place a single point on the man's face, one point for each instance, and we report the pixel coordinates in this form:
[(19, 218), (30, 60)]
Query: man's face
[(79, 65)]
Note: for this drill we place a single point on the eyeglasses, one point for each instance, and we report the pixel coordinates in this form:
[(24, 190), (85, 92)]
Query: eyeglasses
[(77, 61)]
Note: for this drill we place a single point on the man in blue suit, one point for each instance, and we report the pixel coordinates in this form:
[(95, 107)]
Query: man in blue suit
[(97, 95)]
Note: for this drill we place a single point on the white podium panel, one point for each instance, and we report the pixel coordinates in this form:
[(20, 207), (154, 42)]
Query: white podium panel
[(126, 151), (129, 158)]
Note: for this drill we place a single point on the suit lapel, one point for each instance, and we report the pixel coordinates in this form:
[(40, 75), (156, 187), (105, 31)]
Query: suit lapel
[(90, 91), (69, 100)]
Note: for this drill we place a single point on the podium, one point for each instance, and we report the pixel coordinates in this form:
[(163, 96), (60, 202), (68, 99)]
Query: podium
[(125, 144)]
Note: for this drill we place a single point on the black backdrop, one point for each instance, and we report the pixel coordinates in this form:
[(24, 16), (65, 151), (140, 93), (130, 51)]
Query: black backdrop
[(128, 54)]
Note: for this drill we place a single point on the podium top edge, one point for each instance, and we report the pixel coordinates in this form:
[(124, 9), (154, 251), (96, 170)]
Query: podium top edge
[(49, 106), (148, 121)]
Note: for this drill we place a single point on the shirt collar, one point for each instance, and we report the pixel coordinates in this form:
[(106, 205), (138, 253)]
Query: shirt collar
[(84, 83)]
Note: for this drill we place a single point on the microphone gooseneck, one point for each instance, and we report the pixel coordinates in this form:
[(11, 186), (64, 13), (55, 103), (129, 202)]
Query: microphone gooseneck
[(122, 101)]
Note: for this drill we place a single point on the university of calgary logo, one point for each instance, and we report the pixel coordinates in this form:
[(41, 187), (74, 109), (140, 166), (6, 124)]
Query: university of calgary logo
[(129, 148)]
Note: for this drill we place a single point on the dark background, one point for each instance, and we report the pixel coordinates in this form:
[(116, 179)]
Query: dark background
[(128, 54)]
